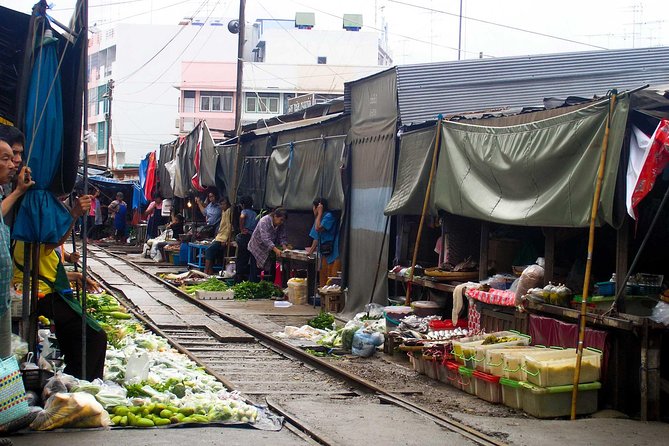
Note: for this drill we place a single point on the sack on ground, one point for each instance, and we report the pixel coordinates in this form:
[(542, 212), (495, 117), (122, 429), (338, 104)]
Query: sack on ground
[(365, 342), (71, 410)]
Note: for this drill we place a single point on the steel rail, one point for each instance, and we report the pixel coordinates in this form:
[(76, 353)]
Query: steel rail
[(300, 429), (323, 365)]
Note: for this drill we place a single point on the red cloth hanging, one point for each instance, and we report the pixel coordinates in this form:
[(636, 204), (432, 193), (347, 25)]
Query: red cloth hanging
[(655, 162), (151, 182), (195, 181)]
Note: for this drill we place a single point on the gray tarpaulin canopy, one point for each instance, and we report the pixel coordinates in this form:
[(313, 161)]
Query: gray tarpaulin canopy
[(308, 168), (538, 173), (208, 158)]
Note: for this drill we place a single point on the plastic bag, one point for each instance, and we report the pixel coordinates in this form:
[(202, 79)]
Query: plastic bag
[(661, 313), (71, 410), (375, 311), (59, 383), (19, 347), (137, 368), (365, 342), (531, 277), (348, 332)]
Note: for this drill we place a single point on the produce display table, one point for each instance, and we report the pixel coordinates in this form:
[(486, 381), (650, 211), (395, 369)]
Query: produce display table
[(422, 281), (196, 255), (196, 251), (289, 258)]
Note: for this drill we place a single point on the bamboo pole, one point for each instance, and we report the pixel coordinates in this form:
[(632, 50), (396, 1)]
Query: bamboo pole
[(426, 201), (591, 246)]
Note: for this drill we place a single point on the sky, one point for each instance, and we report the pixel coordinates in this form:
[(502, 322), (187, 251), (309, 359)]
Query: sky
[(425, 30)]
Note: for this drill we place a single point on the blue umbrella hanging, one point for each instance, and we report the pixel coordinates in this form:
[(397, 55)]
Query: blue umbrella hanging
[(42, 217)]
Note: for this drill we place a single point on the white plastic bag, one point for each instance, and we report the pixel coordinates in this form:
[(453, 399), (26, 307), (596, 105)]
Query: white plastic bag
[(661, 313)]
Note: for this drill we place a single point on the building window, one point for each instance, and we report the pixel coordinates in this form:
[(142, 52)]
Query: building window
[(286, 98), (102, 137), (101, 104), (322, 60), (215, 101), (189, 102), (262, 103)]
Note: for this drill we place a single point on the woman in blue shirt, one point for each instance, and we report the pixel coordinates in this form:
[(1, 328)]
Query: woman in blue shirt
[(325, 237), (212, 211), (246, 268)]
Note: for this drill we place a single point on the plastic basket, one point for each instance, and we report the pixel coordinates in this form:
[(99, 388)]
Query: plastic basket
[(17, 307), (13, 402), (35, 379)]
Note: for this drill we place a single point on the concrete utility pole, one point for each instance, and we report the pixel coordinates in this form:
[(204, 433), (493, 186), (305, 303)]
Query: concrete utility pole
[(240, 68), (108, 117)]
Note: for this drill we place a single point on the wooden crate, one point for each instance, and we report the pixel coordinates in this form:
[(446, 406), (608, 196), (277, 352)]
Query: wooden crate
[(332, 302)]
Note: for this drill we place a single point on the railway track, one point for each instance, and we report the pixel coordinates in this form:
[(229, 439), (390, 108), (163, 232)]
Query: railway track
[(262, 367)]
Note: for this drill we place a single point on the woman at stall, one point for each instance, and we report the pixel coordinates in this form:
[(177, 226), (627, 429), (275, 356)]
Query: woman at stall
[(212, 209), (269, 234), (118, 209), (325, 240), (223, 237), (154, 214)]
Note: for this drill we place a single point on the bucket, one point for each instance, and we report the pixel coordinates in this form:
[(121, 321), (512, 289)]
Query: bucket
[(394, 314), (297, 291), (425, 308)]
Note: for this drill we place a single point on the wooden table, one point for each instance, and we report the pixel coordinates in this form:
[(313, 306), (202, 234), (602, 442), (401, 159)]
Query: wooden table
[(422, 281)]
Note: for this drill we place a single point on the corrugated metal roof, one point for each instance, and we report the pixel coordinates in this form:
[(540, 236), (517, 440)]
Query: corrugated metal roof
[(427, 90)]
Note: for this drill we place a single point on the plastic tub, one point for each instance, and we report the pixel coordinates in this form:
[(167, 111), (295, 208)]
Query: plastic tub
[(512, 393), (467, 382), (488, 387), (417, 362), (394, 314), (442, 372), (494, 358), (423, 308), (453, 374), (464, 349), (430, 366), (479, 354), (557, 367), (551, 402)]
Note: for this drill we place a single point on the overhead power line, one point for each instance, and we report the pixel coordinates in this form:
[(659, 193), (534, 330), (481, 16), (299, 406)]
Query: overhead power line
[(123, 79), (501, 25), (393, 33)]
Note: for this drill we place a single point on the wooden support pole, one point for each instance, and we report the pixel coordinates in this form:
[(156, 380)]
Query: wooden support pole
[(591, 248), (426, 201), (484, 250), (549, 254)]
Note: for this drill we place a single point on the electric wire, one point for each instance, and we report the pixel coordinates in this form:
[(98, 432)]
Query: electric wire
[(392, 33), (145, 64), (501, 25)]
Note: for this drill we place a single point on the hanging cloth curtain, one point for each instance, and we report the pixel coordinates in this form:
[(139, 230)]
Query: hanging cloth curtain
[(143, 167), (208, 158), (42, 217)]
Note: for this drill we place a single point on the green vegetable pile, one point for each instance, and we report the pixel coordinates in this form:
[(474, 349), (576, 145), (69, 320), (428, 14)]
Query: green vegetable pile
[(112, 317), (323, 321), (211, 284), (143, 389), (259, 290)]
